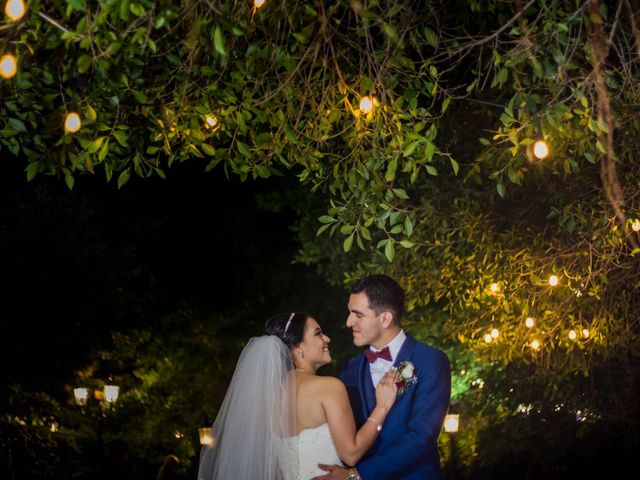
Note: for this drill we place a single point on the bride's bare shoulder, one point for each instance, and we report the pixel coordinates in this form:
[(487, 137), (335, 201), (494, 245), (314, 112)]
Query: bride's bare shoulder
[(327, 384)]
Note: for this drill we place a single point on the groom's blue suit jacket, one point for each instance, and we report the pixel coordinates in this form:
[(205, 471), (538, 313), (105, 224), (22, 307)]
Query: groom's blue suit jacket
[(407, 447)]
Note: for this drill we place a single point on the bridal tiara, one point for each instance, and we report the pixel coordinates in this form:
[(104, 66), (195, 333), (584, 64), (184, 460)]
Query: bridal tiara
[(289, 323)]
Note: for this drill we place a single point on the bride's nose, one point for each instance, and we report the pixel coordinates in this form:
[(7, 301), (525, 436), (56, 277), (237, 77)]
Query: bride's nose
[(326, 340)]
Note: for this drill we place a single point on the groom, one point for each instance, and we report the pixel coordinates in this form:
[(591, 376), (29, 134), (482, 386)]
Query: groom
[(406, 448)]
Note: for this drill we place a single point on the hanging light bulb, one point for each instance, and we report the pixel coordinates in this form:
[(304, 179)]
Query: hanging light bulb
[(15, 10), (541, 149), (259, 3), (535, 344), (211, 121), (494, 288), (495, 333), (635, 226), (585, 333), (553, 280), (366, 104), (72, 123), (8, 66), (529, 322), (572, 334), (488, 338)]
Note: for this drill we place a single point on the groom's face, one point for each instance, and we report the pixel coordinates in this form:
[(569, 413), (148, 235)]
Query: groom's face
[(364, 323)]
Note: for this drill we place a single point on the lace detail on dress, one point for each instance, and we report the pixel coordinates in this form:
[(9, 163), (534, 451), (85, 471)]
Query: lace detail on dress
[(300, 455)]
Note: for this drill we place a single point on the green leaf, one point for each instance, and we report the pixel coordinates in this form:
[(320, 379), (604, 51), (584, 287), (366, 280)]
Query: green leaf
[(454, 165), (390, 175), (218, 42), (431, 170), (348, 243), (90, 114), (322, 229), (244, 149), (390, 251), (95, 145), (407, 243), (431, 37), (208, 149), (326, 219), (102, 154), (123, 178), (500, 188), (69, 180), (17, 125), (84, 63), (410, 149), (408, 226), (32, 170)]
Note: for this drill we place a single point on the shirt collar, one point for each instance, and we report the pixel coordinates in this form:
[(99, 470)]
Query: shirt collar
[(394, 345)]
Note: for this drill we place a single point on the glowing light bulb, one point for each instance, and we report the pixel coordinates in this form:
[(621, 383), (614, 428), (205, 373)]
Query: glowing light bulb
[(259, 3), (494, 288), (495, 333), (535, 344), (529, 322), (541, 149), (8, 66), (15, 9), (553, 280), (585, 333), (72, 123), (572, 334), (211, 121), (366, 104), (635, 226), (488, 338)]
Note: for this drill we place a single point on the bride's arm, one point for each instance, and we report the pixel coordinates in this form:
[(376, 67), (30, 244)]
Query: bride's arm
[(351, 444)]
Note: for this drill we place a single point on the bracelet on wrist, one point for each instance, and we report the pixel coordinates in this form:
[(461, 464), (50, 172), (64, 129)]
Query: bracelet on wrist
[(378, 424)]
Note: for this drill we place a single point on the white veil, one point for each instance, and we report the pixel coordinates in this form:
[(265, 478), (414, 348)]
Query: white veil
[(249, 433)]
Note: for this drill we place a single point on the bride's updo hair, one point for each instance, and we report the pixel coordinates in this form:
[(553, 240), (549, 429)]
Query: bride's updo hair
[(288, 327)]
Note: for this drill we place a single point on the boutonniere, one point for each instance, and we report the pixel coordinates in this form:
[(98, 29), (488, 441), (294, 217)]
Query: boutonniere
[(405, 376)]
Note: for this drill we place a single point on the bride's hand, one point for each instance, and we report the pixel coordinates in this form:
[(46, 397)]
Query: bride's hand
[(386, 391)]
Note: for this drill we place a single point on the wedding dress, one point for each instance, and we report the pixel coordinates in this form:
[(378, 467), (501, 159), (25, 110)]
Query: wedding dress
[(301, 454)]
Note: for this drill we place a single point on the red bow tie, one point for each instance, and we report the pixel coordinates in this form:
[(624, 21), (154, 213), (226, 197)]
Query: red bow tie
[(372, 356)]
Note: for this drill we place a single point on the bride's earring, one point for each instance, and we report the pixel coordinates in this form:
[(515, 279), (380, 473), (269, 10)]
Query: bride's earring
[(301, 353)]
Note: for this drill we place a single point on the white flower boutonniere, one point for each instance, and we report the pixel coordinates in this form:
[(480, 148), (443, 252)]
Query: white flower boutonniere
[(405, 376)]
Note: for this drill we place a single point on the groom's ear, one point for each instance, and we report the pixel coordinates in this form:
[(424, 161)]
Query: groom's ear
[(387, 319)]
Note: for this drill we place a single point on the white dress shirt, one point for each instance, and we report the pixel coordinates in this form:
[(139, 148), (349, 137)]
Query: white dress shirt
[(381, 366)]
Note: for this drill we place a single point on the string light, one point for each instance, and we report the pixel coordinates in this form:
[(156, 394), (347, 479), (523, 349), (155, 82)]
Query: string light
[(494, 288), (211, 121), (72, 123), (488, 338), (535, 344), (259, 3), (529, 322), (572, 334), (495, 333), (15, 10), (553, 280), (585, 333), (8, 66), (366, 104), (635, 226), (541, 149)]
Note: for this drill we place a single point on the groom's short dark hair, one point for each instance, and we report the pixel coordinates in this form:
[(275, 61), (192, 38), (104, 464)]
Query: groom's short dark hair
[(383, 293)]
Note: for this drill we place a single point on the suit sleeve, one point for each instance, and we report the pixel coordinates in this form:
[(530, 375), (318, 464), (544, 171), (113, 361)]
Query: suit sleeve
[(427, 414)]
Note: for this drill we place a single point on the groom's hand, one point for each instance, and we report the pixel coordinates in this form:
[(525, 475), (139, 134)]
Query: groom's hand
[(335, 472)]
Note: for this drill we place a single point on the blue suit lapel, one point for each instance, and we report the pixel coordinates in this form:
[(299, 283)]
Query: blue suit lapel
[(406, 350), (366, 385)]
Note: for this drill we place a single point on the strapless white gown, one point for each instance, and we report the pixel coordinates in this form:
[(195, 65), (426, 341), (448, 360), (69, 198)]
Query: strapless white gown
[(301, 455)]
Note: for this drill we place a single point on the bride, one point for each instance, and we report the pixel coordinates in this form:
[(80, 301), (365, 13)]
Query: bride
[(279, 419)]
